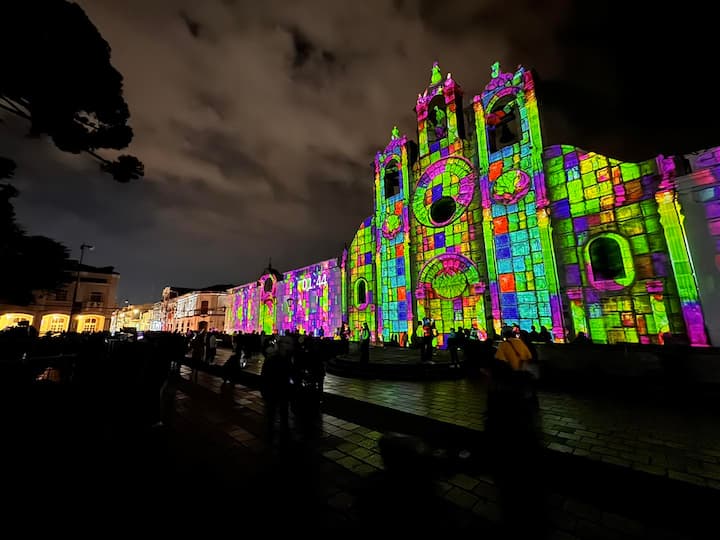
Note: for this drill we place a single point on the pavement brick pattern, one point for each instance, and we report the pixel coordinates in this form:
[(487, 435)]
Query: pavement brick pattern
[(670, 442), (348, 453)]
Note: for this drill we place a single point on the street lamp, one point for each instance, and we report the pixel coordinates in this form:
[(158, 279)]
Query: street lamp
[(83, 247)]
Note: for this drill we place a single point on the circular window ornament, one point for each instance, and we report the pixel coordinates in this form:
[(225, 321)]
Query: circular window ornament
[(442, 210), (449, 285), (444, 192), (448, 275), (510, 187)]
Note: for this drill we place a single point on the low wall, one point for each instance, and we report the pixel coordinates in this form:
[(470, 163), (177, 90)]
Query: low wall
[(685, 364)]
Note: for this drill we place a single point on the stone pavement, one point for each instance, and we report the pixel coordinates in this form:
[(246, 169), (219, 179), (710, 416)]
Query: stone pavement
[(662, 439), (340, 459)]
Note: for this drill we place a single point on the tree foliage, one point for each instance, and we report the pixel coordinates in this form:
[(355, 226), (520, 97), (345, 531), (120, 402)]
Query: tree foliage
[(56, 74), (27, 263)]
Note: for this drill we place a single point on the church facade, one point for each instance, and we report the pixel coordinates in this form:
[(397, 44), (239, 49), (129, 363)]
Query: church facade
[(480, 225)]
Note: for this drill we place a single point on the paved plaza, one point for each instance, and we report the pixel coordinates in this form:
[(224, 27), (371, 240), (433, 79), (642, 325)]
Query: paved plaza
[(341, 463), (667, 440)]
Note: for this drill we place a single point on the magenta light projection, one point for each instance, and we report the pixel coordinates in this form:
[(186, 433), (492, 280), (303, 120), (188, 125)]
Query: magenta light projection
[(311, 299)]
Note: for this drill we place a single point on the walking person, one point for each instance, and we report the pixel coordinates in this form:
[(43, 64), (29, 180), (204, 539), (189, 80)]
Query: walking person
[(197, 345), (365, 344)]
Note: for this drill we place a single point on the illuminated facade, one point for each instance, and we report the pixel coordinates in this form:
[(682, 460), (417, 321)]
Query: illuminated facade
[(96, 300), (309, 300), (184, 310), (138, 317), (481, 225)]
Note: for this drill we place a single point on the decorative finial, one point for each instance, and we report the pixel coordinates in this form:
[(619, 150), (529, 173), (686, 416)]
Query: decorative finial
[(436, 76), (395, 133), (269, 262), (495, 70)]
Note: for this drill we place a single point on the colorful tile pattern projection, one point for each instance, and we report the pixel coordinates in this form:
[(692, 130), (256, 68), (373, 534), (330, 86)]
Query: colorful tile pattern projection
[(361, 262), (311, 298), (243, 313), (489, 228), (445, 247), (593, 198), (392, 241), (440, 119), (524, 284)]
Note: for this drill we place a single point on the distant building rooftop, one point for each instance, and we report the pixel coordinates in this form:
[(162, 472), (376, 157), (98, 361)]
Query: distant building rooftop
[(75, 265), (212, 288)]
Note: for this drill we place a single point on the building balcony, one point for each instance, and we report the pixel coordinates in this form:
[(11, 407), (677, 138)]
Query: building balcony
[(202, 313), (92, 305)]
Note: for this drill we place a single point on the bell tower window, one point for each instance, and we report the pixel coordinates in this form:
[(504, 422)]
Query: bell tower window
[(436, 123), (392, 179), (503, 124)]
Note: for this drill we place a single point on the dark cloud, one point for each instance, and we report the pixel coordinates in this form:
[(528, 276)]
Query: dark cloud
[(192, 26), (303, 47), (257, 122)]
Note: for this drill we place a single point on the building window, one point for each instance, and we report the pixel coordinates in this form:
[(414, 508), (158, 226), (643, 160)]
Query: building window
[(503, 127), (89, 324), (61, 295), (204, 307), (443, 210), (361, 293), (606, 259), (96, 296), (392, 179), (57, 324), (610, 262), (436, 122), (267, 287)]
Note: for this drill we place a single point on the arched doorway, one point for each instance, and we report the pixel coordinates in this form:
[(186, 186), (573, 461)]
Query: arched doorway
[(8, 320), (54, 323)]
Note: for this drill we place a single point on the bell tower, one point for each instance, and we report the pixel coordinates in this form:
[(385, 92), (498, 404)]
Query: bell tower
[(393, 169), (516, 225), (447, 251), (440, 121)]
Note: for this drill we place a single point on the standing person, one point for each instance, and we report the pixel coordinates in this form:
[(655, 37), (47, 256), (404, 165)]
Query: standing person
[(275, 377), (434, 340), (197, 345), (452, 345), (426, 347), (345, 338), (211, 347), (418, 340), (512, 441), (533, 336), (365, 344), (513, 351), (545, 335)]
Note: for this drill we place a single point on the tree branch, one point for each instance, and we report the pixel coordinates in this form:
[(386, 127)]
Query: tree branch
[(97, 156), (12, 108)]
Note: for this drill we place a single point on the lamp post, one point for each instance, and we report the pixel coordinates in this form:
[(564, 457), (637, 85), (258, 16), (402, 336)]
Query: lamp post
[(83, 247)]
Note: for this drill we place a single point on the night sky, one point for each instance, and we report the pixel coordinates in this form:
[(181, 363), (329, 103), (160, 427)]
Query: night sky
[(258, 121)]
